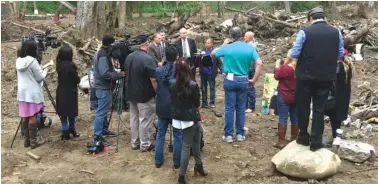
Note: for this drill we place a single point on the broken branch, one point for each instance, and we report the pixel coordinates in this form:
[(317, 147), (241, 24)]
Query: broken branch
[(33, 156)]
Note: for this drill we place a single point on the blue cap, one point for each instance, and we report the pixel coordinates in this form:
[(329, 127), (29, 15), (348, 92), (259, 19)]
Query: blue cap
[(142, 38)]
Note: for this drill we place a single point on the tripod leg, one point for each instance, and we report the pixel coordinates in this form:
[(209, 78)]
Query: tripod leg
[(49, 95), (170, 146), (15, 134)]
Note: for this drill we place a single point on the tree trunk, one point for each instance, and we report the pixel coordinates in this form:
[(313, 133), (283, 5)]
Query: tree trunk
[(91, 18), (23, 12), (122, 15), (35, 8), (129, 10), (371, 4), (219, 9), (223, 5), (287, 7), (361, 11), (57, 12), (140, 9), (111, 16)]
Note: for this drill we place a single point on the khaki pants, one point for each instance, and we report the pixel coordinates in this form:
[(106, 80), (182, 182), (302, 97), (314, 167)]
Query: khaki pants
[(141, 122)]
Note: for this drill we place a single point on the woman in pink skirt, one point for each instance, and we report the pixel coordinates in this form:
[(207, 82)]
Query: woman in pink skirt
[(30, 93)]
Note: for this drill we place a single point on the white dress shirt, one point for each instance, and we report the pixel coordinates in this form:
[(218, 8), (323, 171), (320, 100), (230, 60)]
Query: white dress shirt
[(181, 124), (185, 41)]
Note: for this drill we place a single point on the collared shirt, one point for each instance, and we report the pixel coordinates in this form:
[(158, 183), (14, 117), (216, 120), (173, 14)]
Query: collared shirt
[(181, 124), (185, 41), (300, 40)]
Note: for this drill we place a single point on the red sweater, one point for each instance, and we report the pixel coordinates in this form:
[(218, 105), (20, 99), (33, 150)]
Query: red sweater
[(286, 83)]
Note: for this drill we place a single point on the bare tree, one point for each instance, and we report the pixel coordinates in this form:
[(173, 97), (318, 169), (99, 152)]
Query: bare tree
[(371, 4), (35, 8), (219, 9), (111, 16), (91, 18), (287, 7), (57, 12), (122, 14), (129, 10)]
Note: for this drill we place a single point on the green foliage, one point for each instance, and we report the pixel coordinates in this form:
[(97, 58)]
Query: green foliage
[(300, 6), (47, 6)]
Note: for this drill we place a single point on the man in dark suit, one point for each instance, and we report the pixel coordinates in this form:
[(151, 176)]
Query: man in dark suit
[(186, 48), (156, 50)]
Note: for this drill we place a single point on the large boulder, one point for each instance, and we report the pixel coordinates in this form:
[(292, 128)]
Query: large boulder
[(298, 161), (356, 151)]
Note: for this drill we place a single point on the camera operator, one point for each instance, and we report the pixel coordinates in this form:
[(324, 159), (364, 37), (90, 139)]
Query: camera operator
[(105, 77), (140, 89)]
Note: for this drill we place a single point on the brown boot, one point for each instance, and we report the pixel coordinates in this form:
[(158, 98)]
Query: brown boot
[(25, 129), (281, 136), (34, 143), (294, 132)]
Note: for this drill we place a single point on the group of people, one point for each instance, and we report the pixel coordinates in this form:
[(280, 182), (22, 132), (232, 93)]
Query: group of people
[(159, 78)]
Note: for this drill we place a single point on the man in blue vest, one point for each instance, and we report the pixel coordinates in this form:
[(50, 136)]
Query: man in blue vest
[(317, 49)]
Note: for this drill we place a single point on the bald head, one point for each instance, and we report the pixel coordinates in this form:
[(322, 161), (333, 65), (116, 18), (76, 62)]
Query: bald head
[(249, 37), (183, 33), (236, 33)]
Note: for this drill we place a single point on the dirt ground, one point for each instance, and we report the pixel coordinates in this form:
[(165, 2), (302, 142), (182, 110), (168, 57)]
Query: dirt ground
[(68, 162)]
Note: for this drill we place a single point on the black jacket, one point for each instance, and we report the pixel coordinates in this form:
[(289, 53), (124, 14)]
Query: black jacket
[(185, 109), (342, 94), (66, 93)]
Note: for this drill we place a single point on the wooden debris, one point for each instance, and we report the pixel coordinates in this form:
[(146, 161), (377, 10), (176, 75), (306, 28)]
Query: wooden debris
[(33, 156), (86, 171)]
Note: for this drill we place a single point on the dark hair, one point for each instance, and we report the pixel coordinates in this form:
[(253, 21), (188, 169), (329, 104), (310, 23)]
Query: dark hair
[(107, 39), (171, 52), (18, 52), (29, 48), (183, 78), (65, 55)]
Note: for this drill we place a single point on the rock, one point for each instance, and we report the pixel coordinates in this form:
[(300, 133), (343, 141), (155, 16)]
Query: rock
[(356, 151), (298, 161)]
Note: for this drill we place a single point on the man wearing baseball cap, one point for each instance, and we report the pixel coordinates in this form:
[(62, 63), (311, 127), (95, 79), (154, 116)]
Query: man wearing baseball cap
[(317, 49), (140, 89)]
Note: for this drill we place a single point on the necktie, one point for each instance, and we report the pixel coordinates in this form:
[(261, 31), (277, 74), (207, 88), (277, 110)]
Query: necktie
[(185, 54)]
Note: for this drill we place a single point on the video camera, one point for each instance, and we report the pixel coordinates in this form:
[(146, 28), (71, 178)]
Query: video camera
[(120, 49), (43, 41)]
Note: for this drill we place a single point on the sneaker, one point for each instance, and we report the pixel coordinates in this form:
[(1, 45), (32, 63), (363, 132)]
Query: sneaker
[(240, 138), (110, 134), (249, 111), (228, 139), (135, 147), (212, 106), (151, 148)]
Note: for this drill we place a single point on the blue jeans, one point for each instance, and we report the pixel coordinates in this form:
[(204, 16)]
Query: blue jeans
[(251, 98), (67, 125), (207, 79), (104, 100), (284, 110), (163, 124), (235, 99)]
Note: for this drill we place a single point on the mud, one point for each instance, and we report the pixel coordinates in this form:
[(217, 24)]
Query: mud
[(67, 161)]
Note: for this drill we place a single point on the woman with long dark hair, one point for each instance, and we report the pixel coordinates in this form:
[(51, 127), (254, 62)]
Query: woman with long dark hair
[(185, 97), (66, 93), (29, 91)]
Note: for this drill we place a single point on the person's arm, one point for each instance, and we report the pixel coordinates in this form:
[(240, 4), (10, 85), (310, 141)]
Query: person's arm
[(73, 72), (153, 53), (104, 71), (280, 72), (218, 52), (37, 71), (341, 46), (150, 68), (219, 64), (258, 67), (298, 45)]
